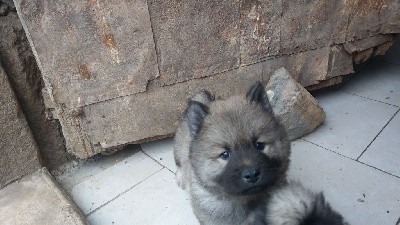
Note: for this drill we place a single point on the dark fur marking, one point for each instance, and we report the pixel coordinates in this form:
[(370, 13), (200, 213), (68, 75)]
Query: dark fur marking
[(323, 214), (210, 96), (257, 94), (231, 178), (195, 114)]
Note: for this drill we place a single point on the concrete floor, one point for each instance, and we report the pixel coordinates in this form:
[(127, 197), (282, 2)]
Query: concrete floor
[(354, 157)]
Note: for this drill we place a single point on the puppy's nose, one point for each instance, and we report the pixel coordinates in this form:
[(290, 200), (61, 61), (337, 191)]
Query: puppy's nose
[(251, 174)]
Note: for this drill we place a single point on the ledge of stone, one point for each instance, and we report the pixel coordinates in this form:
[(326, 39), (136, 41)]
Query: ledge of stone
[(37, 199)]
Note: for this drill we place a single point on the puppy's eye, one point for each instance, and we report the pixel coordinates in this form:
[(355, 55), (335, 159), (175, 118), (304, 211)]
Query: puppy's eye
[(225, 155), (259, 145)]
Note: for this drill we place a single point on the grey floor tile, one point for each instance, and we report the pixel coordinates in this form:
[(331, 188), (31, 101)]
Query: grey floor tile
[(362, 194), (384, 152), (379, 81), (76, 171), (157, 200), (162, 152), (102, 187), (351, 123)]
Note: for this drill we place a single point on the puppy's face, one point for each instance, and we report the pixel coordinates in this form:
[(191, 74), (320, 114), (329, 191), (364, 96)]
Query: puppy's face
[(239, 147)]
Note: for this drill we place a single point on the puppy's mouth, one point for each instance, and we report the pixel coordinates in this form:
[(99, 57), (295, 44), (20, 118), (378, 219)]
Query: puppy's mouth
[(254, 190)]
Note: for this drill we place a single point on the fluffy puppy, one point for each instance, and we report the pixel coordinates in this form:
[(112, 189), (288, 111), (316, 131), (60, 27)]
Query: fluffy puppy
[(230, 154)]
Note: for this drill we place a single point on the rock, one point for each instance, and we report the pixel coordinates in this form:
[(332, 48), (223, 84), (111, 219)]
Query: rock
[(362, 56), (100, 51), (195, 38), (298, 111), (19, 153), (37, 199), (366, 43), (25, 78)]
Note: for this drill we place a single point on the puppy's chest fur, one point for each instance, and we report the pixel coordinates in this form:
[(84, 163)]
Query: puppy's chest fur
[(213, 209)]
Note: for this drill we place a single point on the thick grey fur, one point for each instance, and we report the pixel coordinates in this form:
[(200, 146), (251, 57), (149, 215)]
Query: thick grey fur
[(219, 194)]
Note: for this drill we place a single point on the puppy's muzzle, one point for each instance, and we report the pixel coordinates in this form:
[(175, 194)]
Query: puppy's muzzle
[(251, 175)]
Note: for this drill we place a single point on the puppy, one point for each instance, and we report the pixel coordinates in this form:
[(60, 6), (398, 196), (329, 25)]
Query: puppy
[(232, 156)]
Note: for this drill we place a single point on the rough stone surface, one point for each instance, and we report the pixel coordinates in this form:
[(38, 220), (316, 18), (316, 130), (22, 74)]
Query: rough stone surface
[(20, 65), (312, 24), (6, 7), (91, 51), (365, 18), (340, 62), (260, 26), (36, 200), (120, 121), (325, 83), (305, 67), (19, 154), (171, 47), (390, 17), (298, 111), (362, 56), (366, 43), (382, 49), (195, 38)]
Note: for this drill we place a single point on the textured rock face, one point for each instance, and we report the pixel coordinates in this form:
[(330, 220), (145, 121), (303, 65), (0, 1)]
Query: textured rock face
[(298, 111), (19, 154), (119, 72), (113, 53), (25, 78)]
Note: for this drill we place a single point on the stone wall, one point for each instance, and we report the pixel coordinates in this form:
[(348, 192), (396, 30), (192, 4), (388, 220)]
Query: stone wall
[(119, 72), (24, 75)]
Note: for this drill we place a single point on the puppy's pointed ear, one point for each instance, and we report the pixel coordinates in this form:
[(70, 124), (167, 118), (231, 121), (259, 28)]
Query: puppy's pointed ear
[(257, 94), (196, 112)]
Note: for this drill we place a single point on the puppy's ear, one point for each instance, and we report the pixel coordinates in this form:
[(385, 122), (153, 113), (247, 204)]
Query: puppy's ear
[(196, 112), (257, 94)]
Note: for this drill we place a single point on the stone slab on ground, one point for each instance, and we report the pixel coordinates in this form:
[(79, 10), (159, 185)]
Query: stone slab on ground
[(19, 153), (37, 199), (298, 111)]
